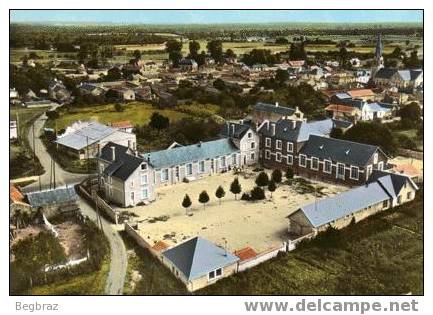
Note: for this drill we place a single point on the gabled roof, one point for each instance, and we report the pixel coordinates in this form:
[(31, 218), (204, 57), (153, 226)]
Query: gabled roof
[(333, 208), (234, 130), (409, 74), (340, 108), (125, 163), (272, 108), (360, 93), (347, 152), (197, 257), (392, 182), (14, 194), (385, 73), (91, 133), (51, 197), (190, 153)]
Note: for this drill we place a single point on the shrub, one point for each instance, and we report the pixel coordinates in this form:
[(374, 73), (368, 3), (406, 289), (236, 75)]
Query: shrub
[(118, 107), (235, 187), (289, 173), (276, 176), (246, 196), (257, 193), (262, 179)]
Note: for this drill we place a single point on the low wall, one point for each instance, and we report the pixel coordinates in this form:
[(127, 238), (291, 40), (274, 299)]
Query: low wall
[(261, 257), (292, 244), (98, 202), (411, 154)]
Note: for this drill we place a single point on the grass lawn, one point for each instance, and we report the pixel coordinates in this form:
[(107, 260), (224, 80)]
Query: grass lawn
[(138, 113), (87, 284), (22, 162), (380, 255), (412, 134), (145, 275)]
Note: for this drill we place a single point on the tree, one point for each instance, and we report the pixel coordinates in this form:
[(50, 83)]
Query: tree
[(235, 187), (272, 187), (113, 74), (137, 54), (203, 198), (220, 193), (276, 176), (219, 84), (159, 122), (230, 53), (297, 52), (215, 49), (289, 173), (336, 133), (257, 193), (413, 61), (281, 41), (118, 107), (186, 203), (174, 50), (262, 179), (410, 115), (194, 47), (281, 76)]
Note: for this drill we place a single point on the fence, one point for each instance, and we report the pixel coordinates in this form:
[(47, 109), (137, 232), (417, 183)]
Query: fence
[(411, 154), (261, 257), (99, 203)]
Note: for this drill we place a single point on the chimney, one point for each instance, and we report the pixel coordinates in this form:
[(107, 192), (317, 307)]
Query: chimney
[(293, 124), (276, 104), (113, 154), (273, 129)]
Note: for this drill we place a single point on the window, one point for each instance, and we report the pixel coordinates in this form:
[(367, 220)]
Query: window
[(201, 167), (250, 135), (340, 170), (189, 169), (252, 156), (409, 195), (289, 146), (290, 159), (144, 179), (302, 160), (143, 167), (375, 156), (354, 172), (132, 196), (314, 163), (110, 191), (144, 193), (380, 166), (164, 175), (279, 145), (234, 159), (253, 145), (101, 168), (268, 142), (327, 167), (278, 157), (132, 183), (369, 170), (223, 161), (385, 204), (267, 154), (219, 272), (211, 275), (399, 200)]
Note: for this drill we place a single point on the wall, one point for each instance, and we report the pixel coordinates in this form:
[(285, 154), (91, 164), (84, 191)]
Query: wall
[(411, 154), (102, 205), (261, 257)]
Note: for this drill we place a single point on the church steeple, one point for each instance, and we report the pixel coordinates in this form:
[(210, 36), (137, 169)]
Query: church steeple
[(378, 58)]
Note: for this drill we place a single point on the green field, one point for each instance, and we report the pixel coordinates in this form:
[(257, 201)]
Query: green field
[(138, 113), (380, 255), (87, 284)]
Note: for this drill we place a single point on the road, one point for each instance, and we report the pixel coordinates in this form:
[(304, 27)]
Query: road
[(118, 259)]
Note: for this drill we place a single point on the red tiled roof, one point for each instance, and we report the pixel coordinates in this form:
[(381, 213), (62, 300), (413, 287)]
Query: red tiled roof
[(14, 194), (121, 124), (407, 169), (160, 246), (245, 253), (360, 93), (340, 108)]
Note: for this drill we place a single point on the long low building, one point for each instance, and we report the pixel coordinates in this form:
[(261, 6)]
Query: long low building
[(383, 191)]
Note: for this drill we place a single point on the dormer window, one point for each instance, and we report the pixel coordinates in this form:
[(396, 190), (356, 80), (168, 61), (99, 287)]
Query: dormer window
[(143, 167), (375, 158), (250, 135)]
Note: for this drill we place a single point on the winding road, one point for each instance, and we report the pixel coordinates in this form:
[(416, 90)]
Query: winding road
[(118, 259)]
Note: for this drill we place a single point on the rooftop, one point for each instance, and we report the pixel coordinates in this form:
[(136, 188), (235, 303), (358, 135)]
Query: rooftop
[(274, 108), (52, 197)]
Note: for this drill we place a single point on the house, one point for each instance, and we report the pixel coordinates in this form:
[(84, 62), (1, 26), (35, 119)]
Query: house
[(339, 161), (407, 79), (57, 91), (345, 112), (362, 94), (245, 139), (362, 76), (13, 94), (53, 202), (13, 129), (295, 66), (274, 112), (125, 177), (383, 191), (179, 163), (125, 126), (121, 93), (144, 93), (84, 139), (17, 201), (89, 88), (188, 65), (199, 263), (39, 104), (355, 110), (165, 99)]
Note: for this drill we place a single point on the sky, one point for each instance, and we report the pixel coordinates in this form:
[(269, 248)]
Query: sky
[(216, 16)]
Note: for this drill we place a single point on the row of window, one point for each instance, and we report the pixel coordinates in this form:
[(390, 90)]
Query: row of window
[(278, 144)]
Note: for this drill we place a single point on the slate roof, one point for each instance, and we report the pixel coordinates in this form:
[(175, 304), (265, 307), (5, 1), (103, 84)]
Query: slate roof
[(125, 163), (91, 133), (385, 73), (239, 130), (342, 95), (197, 257), (302, 130), (330, 209), (392, 182), (409, 75), (271, 108), (376, 107), (190, 153), (51, 197), (348, 152)]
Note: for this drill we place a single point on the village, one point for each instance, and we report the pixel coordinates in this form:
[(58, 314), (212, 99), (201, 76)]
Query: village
[(214, 159)]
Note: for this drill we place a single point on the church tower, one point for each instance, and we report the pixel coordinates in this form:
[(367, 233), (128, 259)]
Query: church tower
[(378, 58)]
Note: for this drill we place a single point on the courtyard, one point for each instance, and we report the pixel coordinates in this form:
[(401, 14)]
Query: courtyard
[(234, 224)]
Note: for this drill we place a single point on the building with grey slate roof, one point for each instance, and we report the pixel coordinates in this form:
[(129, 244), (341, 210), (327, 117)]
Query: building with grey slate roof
[(384, 190), (199, 263), (402, 79), (274, 112), (84, 139), (52, 202)]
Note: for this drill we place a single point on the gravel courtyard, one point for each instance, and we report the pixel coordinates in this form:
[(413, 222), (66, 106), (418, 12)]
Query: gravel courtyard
[(260, 224)]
